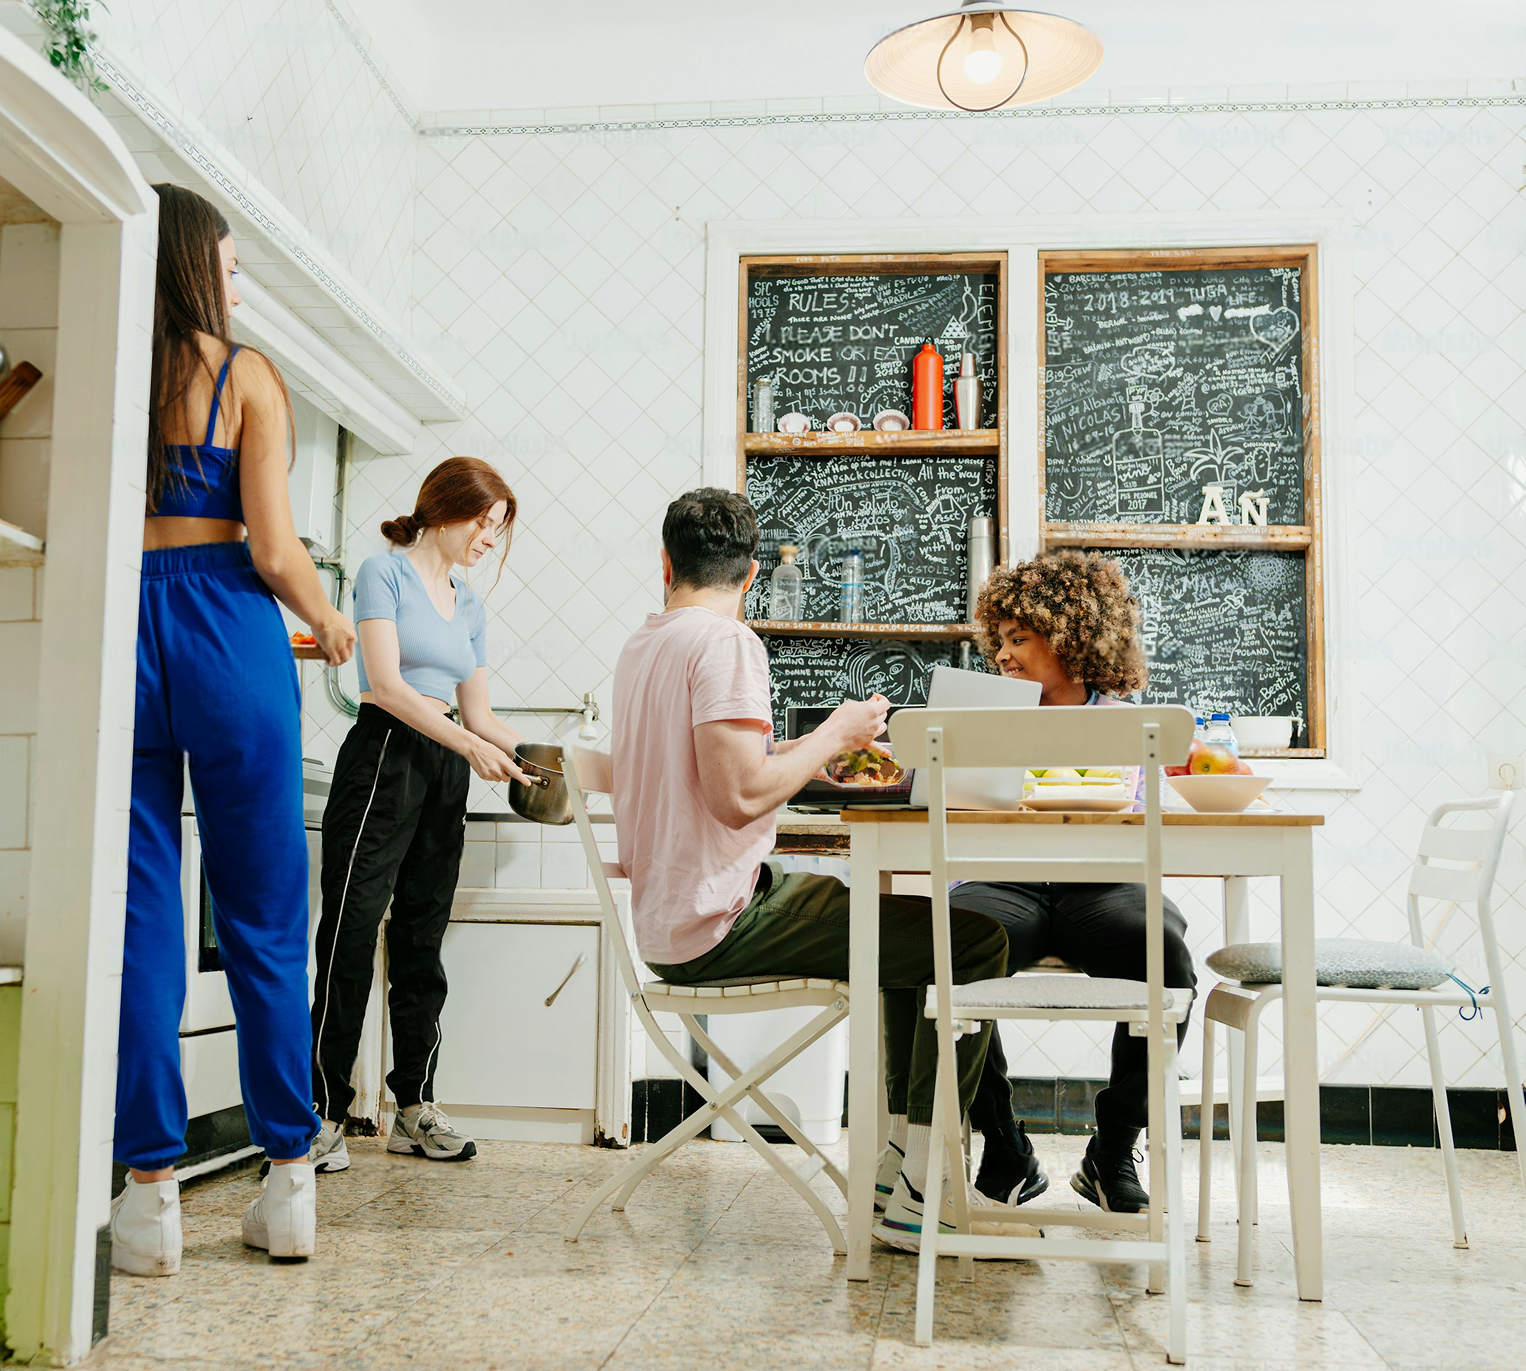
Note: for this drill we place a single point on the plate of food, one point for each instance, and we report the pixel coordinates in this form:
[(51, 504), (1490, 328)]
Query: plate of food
[(864, 766), (863, 776), (1097, 790)]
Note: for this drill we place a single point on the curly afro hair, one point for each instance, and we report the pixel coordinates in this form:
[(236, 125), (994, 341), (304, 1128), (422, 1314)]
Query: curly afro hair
[(1080, 603)]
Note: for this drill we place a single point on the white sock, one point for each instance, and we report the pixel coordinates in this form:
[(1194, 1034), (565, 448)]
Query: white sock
[(898, 1130), (919, 1138)]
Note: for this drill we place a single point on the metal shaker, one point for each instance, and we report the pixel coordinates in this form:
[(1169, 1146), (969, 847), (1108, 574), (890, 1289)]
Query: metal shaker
[(982, 559), (967, 394)]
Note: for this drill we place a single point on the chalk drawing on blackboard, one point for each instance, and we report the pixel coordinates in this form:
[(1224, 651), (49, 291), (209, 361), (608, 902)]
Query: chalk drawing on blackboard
[(1139, 467), (1149, 362), (1275, 329), (1223, 630), (1214, 356), (826, 671), (909, 516), (845, 343)]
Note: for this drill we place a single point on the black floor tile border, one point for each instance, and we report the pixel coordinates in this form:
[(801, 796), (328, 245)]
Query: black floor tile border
[(1376, 1115)]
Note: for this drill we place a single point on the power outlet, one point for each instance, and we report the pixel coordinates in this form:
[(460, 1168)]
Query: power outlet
[(1505, 773)]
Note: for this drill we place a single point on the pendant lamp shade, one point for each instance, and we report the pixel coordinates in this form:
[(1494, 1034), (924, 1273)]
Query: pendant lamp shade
[(983, 57)]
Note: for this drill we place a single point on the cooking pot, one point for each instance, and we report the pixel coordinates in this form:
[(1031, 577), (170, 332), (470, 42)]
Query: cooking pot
[(546, 801)]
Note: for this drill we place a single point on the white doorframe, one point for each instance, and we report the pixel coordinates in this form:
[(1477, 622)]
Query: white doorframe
[(1022, 237), (61, 152)]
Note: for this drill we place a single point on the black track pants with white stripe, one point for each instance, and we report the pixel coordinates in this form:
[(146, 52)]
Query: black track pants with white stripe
[(393, 830)]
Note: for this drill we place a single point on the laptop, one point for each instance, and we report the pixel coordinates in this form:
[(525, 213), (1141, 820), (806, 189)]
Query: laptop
[(973, 787)]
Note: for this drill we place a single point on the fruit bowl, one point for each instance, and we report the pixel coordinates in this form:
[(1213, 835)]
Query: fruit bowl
[(1219, 794)]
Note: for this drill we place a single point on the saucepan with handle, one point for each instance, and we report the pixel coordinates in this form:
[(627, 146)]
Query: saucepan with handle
[(544, 802)]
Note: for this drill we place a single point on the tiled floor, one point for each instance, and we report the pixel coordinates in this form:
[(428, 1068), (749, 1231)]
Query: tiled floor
[(716, 1265)]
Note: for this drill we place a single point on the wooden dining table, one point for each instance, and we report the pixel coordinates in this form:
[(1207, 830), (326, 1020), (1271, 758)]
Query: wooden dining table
[(883, 842)]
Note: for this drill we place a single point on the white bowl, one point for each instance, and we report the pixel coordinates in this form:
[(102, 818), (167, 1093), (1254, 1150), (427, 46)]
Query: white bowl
[(1219, 794), (1263, 732)]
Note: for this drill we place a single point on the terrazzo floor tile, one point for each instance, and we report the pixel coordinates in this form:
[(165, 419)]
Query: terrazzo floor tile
[(718, 1264)]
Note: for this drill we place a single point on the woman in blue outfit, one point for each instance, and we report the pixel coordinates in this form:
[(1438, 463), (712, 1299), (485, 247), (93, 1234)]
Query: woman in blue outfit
[(395, 822), (217, 685)]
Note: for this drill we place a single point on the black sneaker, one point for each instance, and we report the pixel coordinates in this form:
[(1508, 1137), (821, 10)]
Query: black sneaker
[(1009, 1169), (1108, 1179)]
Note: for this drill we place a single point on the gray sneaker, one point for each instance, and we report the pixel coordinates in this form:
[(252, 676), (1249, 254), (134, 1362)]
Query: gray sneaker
[(425, 1131), (329, 1152)]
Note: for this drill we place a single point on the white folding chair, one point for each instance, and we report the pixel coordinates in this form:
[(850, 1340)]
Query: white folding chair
[(1238, 1005), (588, 773), (1150, 736)]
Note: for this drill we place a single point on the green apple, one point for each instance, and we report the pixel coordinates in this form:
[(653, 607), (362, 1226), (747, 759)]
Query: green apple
[(1062, 773)]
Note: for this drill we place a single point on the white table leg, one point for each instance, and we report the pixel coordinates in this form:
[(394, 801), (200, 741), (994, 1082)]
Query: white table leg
[(863, 1041), (1300, 1055), (1236, 930)]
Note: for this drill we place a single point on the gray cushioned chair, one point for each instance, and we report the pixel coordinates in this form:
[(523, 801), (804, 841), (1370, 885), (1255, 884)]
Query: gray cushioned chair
[(1456, 864)]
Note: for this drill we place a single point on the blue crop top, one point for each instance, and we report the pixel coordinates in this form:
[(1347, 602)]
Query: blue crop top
[(212, 491), (435, 654)]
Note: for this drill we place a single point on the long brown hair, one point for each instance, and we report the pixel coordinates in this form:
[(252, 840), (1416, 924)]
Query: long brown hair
[(188, 299), (459, 490)]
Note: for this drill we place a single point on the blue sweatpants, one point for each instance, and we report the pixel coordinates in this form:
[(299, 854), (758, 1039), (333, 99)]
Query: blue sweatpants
[(217, 683)]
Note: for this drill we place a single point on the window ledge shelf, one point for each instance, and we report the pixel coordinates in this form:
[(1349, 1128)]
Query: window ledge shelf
[(789, 628)]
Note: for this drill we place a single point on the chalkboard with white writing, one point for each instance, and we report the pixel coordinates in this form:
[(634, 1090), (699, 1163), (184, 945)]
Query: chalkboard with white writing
[(1223, 630), (827, 671), (909, 516), (844, 344), (1157, 383)]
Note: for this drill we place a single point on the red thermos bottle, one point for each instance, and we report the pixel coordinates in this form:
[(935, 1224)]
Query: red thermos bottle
[(927, 388)]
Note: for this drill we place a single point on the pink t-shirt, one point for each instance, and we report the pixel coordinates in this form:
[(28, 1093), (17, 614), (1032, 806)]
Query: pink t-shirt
[(690, 874)]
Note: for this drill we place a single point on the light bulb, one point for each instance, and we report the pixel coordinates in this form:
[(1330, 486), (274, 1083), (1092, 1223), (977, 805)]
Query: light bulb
[(982, 63)]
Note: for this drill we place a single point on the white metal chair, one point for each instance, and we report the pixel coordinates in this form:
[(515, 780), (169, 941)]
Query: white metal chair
[(1238, 1005), (1149, 736), (588, 773)]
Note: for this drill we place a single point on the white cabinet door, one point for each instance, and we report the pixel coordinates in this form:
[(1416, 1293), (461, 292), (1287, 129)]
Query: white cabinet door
[(501, 1044)]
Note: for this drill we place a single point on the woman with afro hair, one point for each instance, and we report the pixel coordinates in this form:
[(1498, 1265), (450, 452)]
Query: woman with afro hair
[(1067, 621)]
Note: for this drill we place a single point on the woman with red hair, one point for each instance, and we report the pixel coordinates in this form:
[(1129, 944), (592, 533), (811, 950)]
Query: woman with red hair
[(395, 821)]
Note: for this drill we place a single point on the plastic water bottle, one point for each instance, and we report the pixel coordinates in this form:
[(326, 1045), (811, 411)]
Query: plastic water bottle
[(784, 586), (850, 605), (1220, 734)]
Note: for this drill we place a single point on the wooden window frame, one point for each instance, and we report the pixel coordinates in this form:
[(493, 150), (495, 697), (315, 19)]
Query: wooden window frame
[(1021, 237), (869, 444), (1306, 538)]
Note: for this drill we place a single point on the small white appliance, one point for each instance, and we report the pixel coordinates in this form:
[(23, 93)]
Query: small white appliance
[(976, 788)]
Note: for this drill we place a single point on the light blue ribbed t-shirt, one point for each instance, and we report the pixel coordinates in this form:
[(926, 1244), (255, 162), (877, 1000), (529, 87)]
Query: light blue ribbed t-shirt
[(436, 654)]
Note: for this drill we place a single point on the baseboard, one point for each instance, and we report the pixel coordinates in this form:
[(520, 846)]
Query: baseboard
[(1369, 1115)]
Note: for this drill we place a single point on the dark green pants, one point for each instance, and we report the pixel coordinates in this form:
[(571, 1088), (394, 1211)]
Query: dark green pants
[(797, 925)]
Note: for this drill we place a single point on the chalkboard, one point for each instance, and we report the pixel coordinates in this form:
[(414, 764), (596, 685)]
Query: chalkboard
[(826, 671), (909, 516), (1223, 630), (844, 344), (1157, 383)]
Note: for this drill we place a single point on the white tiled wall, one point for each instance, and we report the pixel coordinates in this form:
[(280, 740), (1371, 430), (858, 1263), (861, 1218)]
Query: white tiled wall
[(28, 329), (293, 90), (562, 276)]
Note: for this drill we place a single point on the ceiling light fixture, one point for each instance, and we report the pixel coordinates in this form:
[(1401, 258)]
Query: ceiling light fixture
[(982, 57)]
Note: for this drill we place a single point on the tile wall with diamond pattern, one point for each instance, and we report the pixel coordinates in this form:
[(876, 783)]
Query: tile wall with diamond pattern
[(293, 89), (561, 276)]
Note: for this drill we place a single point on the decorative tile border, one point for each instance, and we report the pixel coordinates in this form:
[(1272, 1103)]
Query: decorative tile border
[(354, 32), (1027, 112), (191, 148)]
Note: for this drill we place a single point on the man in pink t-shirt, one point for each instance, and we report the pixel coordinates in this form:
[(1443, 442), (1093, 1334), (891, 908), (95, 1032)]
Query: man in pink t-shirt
[(698, 781)]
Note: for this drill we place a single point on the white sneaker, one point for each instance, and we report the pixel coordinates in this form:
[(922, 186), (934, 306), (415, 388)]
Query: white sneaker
[(145, 1228), (901, 1223), (283, 1218), (886, 1176), (425, 1131), (329, 1152)]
